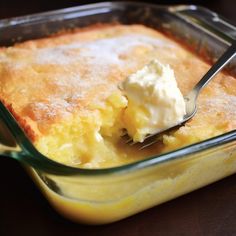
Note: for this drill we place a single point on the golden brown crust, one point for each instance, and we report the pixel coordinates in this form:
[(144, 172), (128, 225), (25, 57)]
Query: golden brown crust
[(46, 80), (22, 122)]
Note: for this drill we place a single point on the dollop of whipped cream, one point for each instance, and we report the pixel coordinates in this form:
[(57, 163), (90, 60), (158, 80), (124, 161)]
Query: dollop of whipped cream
[(155, 102)]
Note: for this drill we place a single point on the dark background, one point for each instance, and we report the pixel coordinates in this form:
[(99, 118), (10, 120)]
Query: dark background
[(9, 8), (23, 210)]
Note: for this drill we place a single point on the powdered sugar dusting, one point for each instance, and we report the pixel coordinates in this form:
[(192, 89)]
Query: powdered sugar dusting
[(94, 60), (106, 50), (69, 75), (56, 80)]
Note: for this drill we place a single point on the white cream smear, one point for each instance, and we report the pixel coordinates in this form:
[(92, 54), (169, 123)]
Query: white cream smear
[(155, 102)]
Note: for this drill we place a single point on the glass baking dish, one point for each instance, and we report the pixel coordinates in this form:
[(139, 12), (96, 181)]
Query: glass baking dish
[(99, 196)]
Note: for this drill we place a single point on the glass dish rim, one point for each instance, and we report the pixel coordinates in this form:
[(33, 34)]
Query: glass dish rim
[(30, 155)]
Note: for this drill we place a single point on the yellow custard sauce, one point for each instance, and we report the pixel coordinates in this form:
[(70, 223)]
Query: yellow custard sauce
[(102, 200)]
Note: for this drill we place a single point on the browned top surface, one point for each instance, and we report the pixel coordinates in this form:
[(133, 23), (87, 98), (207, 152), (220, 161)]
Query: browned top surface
[(49, 79)]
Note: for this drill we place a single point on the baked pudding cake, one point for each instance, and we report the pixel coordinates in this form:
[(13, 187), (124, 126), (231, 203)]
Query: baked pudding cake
[(64, 91)]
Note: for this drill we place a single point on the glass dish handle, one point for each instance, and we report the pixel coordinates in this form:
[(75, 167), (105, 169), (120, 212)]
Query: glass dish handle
[(202, 17), (8, 145)]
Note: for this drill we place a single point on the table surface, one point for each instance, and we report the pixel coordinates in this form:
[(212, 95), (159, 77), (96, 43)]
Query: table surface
[(24, 211)]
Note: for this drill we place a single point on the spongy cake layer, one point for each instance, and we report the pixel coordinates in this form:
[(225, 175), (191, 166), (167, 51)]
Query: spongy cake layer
[(61, 84)]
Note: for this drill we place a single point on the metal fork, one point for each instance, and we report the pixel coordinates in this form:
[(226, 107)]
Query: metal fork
[(191, 98)]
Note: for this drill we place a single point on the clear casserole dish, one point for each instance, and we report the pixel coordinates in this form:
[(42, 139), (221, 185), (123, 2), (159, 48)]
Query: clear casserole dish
[(99, 196)]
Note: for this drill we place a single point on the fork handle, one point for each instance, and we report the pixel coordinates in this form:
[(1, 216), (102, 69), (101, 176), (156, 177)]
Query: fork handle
[(220, 63)]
